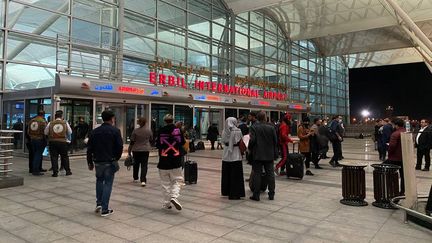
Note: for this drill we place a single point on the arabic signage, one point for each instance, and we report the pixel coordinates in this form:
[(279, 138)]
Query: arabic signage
[(297, 106), (123, 89), (161, 63), (213, 98)]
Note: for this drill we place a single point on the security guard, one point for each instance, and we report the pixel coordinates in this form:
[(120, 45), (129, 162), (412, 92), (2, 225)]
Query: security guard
[(58, 132), (35, 131)]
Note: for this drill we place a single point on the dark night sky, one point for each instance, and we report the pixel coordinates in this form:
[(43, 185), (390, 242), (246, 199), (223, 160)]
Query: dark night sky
[(407, 87)]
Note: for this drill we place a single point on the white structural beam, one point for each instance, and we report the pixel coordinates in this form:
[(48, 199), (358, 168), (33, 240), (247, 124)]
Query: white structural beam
[(420, 41), (241, 6)]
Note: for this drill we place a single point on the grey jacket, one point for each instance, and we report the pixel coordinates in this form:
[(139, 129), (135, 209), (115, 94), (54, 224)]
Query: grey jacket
[(263, 142)]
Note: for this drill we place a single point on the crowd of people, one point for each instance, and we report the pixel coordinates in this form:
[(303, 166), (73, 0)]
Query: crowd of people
[(253, 137)]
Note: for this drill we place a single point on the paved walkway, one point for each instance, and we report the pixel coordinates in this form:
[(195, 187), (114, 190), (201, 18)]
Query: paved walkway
[(60, 209)]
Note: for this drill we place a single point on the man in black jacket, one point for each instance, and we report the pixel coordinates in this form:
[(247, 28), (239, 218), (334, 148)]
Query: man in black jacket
[(169, 142), (423, 144), (263, 147), (105, 147)]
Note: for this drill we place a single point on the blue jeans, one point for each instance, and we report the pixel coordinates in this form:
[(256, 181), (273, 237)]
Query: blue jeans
[(38, 146), (104, 181)]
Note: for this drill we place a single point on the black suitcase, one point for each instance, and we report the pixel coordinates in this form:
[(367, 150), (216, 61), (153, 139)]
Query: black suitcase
[(263, 182), (190, 172), (295, 165), (200, 145)]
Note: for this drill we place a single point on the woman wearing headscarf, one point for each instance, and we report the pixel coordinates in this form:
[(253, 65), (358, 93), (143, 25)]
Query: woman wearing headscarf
[(232, 168)]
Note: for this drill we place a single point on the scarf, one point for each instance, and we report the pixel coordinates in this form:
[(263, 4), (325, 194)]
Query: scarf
[(229, 135)]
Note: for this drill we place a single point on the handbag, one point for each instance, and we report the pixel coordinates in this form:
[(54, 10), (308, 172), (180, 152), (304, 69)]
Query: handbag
[(129, 162), (242, 147)]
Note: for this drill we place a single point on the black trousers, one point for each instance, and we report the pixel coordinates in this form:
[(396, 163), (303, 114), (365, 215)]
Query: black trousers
[(269, 174), (315, 157), (232, 181), (308, 159), (401, 174), (141, 161), (420, 154), (337, 151), (56, 149), (30, 156)]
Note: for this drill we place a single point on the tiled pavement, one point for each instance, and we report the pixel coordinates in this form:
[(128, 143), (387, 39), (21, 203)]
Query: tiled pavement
[(60, 209)]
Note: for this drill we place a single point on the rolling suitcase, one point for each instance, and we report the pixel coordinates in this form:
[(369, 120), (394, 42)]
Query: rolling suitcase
[(200, 146), (295, 165), (190, 172)]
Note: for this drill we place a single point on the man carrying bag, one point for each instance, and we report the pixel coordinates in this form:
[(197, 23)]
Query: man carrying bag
[(105, 147)]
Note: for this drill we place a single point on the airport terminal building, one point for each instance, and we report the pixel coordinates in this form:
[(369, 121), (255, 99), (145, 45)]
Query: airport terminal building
[(197, 59)]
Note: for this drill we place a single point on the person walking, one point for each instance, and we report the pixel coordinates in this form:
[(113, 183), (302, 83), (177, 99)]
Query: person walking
[(314, 142), (212, 135), (58, 132), (82, 129), (395, 151), (323, 139), (263, 146), (140, 148), (304, 135), (423, 140), (387, 130), (335, 137), (169, 144), (232, 182), (36, 132), (284, 140), (104, 149)]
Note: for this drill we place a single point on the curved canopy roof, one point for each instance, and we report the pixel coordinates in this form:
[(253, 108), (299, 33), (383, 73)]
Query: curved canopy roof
[(354, 28)]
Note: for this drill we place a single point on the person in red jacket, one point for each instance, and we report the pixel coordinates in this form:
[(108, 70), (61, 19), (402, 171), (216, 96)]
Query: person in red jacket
[(395, 150), (284, 139)]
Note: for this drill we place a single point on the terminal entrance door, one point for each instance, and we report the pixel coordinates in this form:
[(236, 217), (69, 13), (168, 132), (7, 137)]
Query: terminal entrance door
[(204, 117), (126, 116)]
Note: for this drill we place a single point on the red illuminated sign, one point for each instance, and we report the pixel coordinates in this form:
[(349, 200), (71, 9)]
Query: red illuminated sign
[(130, 90), (173, 81)]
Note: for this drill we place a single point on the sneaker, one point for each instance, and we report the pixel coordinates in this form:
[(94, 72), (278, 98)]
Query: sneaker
[(318, 167), (309, 173), (425, 169), (98, 209), (37, 173), (68, 173), (43, 170), (417, 168), (276, 172), (107, 212), (55, 175), (143, 184), (254, 198), (332, 163), (176, 203), (135, 181), (282, 173)]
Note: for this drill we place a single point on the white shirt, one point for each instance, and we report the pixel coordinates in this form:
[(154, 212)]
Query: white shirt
[(68, 133), (235, 155), (419, 134)]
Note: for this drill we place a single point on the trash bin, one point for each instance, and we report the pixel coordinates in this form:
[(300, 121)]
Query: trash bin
[(386, 184), (353, 185)]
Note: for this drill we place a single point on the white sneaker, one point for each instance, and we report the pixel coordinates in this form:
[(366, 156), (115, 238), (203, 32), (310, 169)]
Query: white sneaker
[(135, 181), (176, 203), (98, 209), (143, 184)]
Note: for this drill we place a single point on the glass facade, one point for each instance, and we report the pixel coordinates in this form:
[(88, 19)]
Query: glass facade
[(120, 40)]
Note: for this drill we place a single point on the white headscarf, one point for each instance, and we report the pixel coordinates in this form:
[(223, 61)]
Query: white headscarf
[(231, 134)]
